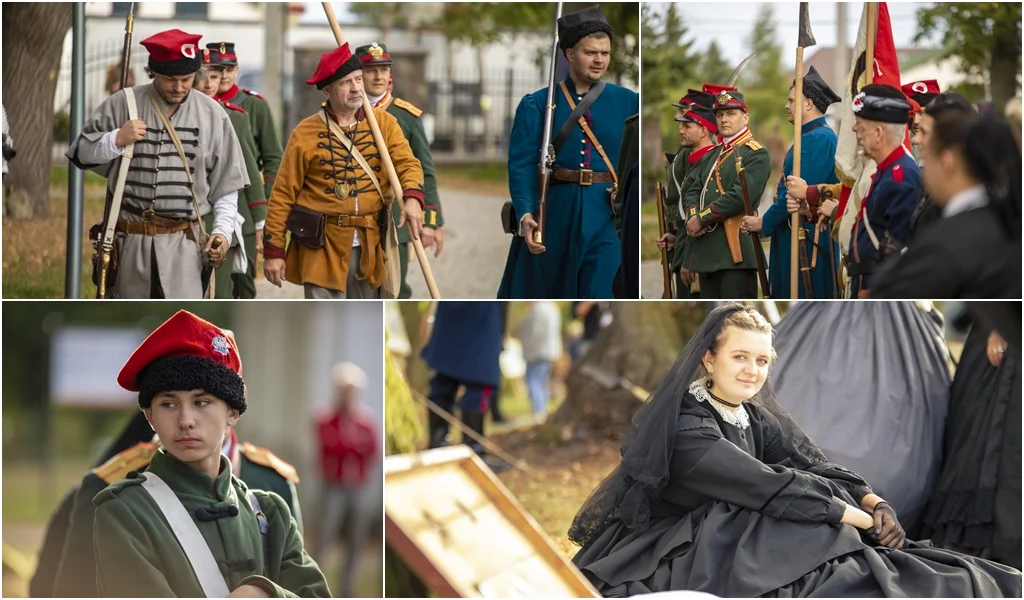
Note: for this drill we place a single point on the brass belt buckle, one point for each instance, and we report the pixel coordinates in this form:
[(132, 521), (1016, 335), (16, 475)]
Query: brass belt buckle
[(148, 228), (586, 177), (343, 220)]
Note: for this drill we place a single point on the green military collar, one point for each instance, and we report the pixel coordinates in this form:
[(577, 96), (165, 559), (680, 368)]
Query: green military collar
[(188, 481)]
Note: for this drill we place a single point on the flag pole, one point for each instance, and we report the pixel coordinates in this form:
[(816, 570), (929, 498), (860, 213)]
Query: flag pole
[(804, 40)]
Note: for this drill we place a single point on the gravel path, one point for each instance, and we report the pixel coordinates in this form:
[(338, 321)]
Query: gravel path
[(473, 258)]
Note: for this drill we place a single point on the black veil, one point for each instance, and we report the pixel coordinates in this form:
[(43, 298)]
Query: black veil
[(626, 494)]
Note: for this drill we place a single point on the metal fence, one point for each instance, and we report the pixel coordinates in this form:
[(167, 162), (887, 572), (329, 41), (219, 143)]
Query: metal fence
[(99, 56), (473, 115)]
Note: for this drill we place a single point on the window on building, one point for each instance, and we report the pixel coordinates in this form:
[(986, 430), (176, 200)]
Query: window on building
[(190, 10), (120, 9)]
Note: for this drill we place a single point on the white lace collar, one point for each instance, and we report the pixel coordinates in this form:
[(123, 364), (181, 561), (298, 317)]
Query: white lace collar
[(736, 418)]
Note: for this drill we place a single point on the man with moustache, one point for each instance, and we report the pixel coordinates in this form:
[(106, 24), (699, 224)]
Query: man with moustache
[(818, 151), (713, 202), (158, 248), (881, 113), (697, 131), (268, 154), (579, 253), (377, 80), (332, 192)]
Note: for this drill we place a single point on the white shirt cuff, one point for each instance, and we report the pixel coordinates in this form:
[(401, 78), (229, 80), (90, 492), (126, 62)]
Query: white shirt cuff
[(106, 149), (259, 224), (224, 211)]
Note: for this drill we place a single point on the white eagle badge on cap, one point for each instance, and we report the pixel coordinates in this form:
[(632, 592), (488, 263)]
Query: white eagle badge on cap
[(220, 345)]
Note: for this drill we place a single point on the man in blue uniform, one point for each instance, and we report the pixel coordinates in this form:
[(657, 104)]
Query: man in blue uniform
[(817, 165), (463, 351), (881, 113), (579, 253)]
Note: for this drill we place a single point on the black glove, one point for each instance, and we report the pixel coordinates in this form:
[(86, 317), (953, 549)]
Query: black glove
[(887, 530)]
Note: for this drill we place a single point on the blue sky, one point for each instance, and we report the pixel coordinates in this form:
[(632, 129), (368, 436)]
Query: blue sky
[(730, 23)]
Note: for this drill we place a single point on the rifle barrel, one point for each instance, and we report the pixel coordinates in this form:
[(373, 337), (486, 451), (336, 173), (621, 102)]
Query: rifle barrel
[(126, 53), (547, 152)]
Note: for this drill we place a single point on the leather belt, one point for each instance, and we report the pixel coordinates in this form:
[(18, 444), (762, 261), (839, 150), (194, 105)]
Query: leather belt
[(862, 268), (582, 177), (364, 221), (153, 224)]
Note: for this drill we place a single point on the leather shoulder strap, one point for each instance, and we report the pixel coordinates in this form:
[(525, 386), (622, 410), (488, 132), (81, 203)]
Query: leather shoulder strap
[(122, 176), (344, 139), (577, 111), (185, 530), (586, 128), (184, 161), (254, 504)]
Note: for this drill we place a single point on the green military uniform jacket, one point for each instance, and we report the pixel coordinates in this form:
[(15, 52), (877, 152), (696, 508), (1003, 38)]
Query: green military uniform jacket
[(676, 174), (264, 132), (712, 192), (137, 553), (408, 117), (75, 575), (252, 201)]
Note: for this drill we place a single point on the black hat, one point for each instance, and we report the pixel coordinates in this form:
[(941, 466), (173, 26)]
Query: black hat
[(374, 54), (577, 25), (882, 103), (696, 97), (695, 107), (947, 101), (184, 373), (226, 56), (818, 92)]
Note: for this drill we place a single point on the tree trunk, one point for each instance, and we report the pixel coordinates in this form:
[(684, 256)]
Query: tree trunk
[(640, 344), (33, 42), (1003, 70)]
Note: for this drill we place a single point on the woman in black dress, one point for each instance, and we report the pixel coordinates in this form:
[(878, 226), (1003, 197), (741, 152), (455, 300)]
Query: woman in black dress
[(975, 507), (719, 491)]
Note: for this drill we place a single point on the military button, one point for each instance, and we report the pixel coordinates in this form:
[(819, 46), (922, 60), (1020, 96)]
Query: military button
[(132, 475), (581, 164), (583, 151), (232, 511)]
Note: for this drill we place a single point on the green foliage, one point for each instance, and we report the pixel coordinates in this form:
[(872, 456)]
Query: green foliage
[(481, 23), (763, 81), (713, 66), (669, 64), (401, 413), (984, 36)]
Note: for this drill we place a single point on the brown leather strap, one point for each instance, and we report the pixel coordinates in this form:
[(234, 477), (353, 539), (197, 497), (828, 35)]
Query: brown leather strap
[(590, 134), (151, 228), (583, 177), (149, 215), (364, 221)]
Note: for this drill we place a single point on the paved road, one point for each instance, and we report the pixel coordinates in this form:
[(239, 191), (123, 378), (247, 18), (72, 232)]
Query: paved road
[(473, 258)]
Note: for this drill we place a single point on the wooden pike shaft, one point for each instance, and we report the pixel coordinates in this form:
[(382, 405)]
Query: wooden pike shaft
[(794, 219), (378, 139)]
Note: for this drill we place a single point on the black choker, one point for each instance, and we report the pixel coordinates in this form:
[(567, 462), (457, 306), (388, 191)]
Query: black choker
[(720, 401)]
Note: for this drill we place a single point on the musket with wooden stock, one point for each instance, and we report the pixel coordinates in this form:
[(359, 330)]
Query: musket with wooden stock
[(666, 271), (547, 150), (748, 209), (103, 244), (385, 157)]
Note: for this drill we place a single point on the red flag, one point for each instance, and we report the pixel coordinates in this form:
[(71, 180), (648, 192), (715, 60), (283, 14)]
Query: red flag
[(855, 169)]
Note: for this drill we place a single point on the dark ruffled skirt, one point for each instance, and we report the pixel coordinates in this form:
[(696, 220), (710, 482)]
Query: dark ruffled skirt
[(975, 507), (736, 552)]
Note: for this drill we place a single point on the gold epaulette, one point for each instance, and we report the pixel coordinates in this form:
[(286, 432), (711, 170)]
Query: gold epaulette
[(266, 458), (408, 106), (753, 144), (132, 459)]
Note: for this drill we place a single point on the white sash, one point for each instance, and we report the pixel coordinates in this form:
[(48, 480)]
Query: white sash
[(199, 555)]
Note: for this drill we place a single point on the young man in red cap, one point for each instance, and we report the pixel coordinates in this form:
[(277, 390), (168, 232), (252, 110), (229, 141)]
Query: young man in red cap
[(267, 141), (697, 133), (377, 79), (713, 204), (187, 527), (332, 192), (158, 230)]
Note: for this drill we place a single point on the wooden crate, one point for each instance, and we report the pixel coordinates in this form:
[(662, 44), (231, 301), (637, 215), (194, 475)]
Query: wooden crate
[(462, 532)]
